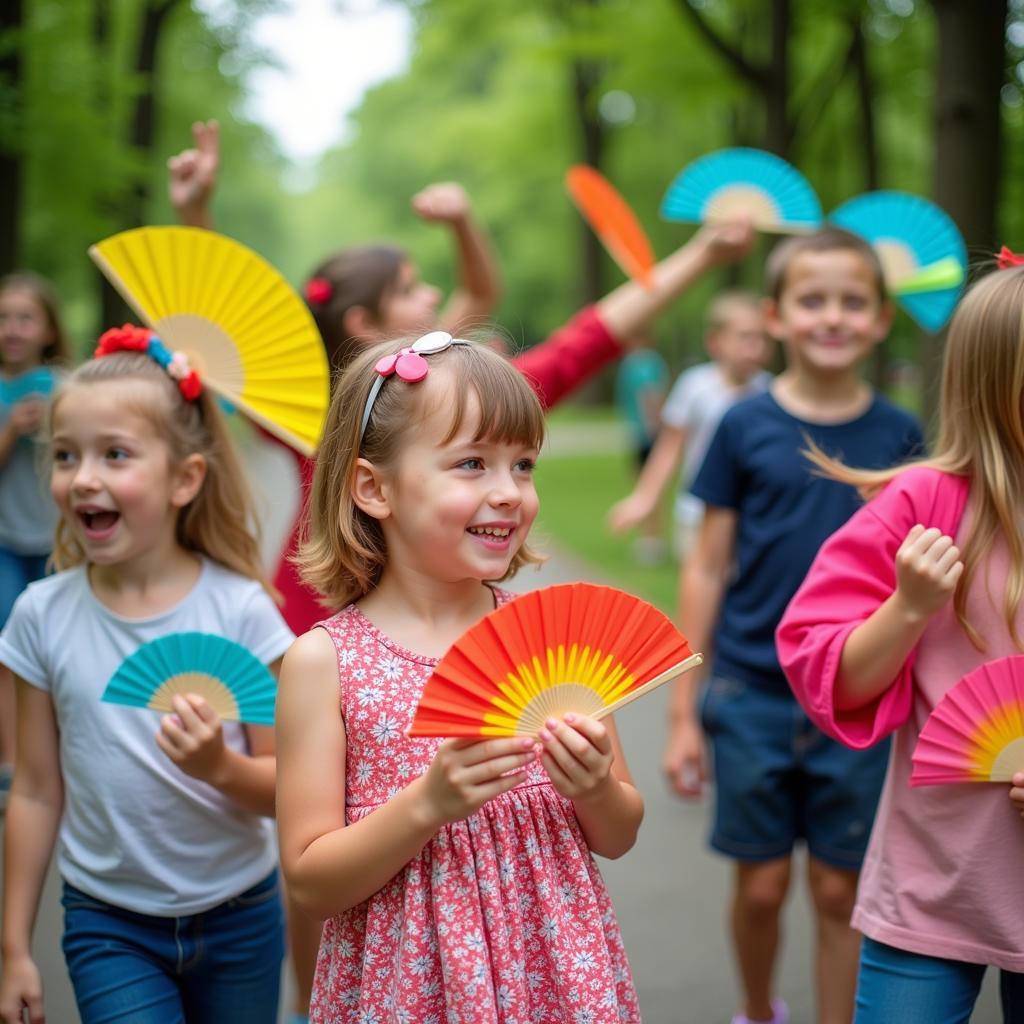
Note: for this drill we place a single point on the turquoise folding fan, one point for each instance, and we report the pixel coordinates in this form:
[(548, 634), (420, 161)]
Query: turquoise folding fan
[(741, 182), (38, 383), (922, 252), (237, 685)]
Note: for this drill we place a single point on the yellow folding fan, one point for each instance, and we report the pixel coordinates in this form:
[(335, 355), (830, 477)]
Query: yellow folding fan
[(246, 332)]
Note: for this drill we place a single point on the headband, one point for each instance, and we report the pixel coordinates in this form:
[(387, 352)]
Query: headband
[(130, 338), (409, 364), (1007, 258)]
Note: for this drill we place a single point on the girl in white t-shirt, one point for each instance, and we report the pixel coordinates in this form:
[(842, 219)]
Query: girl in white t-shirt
[(168, 862)]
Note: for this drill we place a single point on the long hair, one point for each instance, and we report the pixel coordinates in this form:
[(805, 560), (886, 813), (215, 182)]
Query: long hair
[(981, 433), (220, 521), (57, 351), (344, 551)]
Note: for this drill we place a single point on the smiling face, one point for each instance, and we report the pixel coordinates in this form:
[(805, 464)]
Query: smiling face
[(25, 330), (829, 313), (457, 507), (113, 478)]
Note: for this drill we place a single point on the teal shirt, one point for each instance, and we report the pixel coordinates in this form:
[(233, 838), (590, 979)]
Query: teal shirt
[(641, 374)]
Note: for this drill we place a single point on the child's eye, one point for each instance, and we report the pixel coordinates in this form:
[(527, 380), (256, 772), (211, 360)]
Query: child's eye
[(855, 302), (525, 466), (471, 464), (117, 454), (61, 456)]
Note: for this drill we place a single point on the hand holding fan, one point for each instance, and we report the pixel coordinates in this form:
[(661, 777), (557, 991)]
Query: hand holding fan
[(612, 220), (743, 183), (236, 684), (922, 252), (246, 332), (572, 647), (976, 732)]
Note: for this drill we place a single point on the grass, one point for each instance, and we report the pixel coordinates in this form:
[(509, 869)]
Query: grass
[(575, 494)]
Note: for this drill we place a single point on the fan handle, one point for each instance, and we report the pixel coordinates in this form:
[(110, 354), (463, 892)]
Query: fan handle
[(670, 673)]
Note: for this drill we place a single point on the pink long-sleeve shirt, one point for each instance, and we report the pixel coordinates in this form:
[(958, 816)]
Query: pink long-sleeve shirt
[(942, 874)]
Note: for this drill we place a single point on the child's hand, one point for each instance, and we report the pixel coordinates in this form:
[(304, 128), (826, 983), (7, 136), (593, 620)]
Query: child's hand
[(577, 755), (927, 569), (21, 986), (192, 174), (1017, 792), (465, 774), (685, 763), (628, 513), (27, 416), (193, 739), (445, 203), (726, 243)]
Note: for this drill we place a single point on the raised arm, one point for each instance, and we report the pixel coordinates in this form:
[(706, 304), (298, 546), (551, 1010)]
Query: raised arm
[(192, 176), (479, 288)]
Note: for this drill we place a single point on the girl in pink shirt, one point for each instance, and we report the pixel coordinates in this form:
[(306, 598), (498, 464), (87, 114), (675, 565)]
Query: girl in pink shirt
[(920, 587)]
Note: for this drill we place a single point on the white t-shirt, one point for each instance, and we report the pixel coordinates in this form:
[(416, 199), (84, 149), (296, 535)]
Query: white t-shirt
[(136, 831), (695, 404)]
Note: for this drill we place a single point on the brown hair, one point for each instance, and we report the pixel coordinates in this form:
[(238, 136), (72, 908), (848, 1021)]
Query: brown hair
[(360, 276), (344, 552), (58, 350), (826, 239), (981, 432), (220, 521), (724, 305)]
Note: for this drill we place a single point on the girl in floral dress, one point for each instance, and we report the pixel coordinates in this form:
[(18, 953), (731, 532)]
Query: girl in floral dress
[(456, 876)]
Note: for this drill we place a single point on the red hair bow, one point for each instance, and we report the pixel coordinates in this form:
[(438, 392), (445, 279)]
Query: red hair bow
[(126, 338), (318, 290), (1008, 258)]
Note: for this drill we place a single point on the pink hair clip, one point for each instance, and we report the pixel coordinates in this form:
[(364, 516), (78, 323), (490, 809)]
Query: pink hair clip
[(1007, 258), (407, 364), (318, 291)]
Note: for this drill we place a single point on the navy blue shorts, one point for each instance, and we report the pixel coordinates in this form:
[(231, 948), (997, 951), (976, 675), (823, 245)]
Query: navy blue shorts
[(779, 779)]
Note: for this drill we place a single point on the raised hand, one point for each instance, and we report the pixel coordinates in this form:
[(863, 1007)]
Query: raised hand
[(577, 755), (726, 243), (928, 567), (192, 175), (443, 203), (465, 774), (27, 416), (192, 738)]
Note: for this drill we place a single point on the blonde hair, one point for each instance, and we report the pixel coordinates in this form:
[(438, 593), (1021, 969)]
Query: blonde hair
[(220, 521), (724, 306), (343, 553), (981, 433)]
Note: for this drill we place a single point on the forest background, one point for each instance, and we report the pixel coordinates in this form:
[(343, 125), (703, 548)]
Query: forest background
[(503, 97)]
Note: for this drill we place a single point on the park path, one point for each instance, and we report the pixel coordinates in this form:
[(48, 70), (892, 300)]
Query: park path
[(669, 891)]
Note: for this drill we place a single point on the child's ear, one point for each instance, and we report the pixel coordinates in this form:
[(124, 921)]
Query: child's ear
[(188, 479), (772, 319), (883, 323), (369, 490), (359, 322)]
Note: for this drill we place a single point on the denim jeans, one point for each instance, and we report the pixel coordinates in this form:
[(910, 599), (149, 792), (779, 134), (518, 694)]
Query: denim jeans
[(220, 967), (909, 988), (16, 573)]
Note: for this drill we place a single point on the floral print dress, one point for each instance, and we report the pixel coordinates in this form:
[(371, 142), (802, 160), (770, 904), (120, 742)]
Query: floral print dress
[(503, 918)]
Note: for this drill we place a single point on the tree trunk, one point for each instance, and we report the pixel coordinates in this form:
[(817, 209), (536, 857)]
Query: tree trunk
[(778, 129), (10, 153)]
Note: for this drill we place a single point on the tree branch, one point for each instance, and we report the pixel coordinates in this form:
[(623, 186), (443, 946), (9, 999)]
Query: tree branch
[(754, 73)]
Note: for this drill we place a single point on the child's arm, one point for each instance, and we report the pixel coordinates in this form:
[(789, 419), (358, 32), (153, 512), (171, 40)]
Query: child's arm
[(192, 176), (927, 569), (658, 470), (330, 865), (702, 588), (33, 816), (193, 739), (585, 762), (480, 288)]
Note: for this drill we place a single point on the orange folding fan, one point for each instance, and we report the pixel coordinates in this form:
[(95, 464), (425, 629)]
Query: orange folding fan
[(613, 221), (571, 647)]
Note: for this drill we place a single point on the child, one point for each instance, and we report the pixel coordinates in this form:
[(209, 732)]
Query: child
[(31, 337), (871, 643), (640, 386), (170, 886), (735, 340), (777, 778), (457, 876)]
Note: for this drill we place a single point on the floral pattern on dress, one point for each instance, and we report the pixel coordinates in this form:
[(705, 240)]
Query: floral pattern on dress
[(503, 918)]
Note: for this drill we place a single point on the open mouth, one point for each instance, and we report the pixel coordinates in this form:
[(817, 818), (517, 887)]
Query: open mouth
[(98, 523), (498, 532)]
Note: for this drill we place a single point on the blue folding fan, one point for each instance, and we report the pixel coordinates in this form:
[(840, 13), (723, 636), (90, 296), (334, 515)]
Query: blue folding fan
[(237, 685), (38, 382), (732, 183), (922, 252)]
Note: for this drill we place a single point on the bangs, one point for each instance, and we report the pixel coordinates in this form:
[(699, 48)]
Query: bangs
[(509, 410)]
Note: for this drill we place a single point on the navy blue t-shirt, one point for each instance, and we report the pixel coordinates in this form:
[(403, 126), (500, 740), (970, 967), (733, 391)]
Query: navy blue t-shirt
[(785, 512)]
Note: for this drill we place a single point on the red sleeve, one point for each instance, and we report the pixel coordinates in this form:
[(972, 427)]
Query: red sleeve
[(571, 355), (852, 575)]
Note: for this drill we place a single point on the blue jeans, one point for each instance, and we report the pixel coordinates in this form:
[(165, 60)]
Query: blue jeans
[(16, 573), (221, 967), (894, 985)]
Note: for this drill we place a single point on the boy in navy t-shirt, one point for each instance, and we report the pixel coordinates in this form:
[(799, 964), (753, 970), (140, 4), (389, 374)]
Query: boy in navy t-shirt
[(778, 779)]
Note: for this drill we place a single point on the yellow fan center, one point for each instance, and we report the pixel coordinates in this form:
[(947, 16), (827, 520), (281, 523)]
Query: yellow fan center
[(997, 749), (212, 353), (898, 260), (579, 679), (210, 688)]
